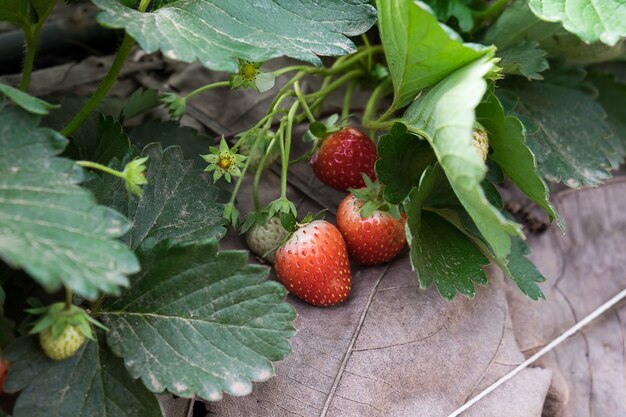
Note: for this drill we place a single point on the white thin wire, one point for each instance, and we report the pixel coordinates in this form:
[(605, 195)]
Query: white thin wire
[(573, 330)]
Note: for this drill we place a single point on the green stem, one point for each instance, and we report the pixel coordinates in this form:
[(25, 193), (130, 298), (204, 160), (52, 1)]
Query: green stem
[(336, 84), (32, 41), (107, 82), (347, 98), (286, 149), (349, 62), (492, 11), (283, 91), (368, 47), (372, 103), (259, 171), (283, 169), (103, 88), (285, 70), (29, 60), (207, 87), (68, 298), (302, 100), (100, 167)]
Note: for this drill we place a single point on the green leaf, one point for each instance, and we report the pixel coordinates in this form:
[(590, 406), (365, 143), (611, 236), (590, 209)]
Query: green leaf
[(198, 322), (440, 253), (170, 133), (83, 142), (26, 101), (16, 12), (446, 116), (139, 102), (525, 59), (178, 203), (591, 20), (419, 51), (92, 383), (523, 272), (518, 24), (216, 33), (111, 141), (566, 130), (49, 226), (402, 160), (507, 139), (458, 9), (436, 195), (612, 97)]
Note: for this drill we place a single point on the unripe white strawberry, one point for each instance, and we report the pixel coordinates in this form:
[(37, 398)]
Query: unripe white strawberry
[(481, 142), (263, 240)]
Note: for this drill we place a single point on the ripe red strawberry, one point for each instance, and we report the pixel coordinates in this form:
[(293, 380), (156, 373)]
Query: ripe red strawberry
[(342, 157), (4, 369), (313, 264), (376, 239)]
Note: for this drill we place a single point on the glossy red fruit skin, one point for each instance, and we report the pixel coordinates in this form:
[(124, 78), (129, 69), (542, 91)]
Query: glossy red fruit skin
[(374, 240), (342, 157), (313, 264), (4, 369)]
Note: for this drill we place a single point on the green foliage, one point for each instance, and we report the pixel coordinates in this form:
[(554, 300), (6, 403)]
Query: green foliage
[(567, 129), (446, 115), (27, 102), (177, 203), (422, 53), (199, 322), (525, 59), (93, 383), (507, 139), (440, 252), (403, 157), (591, 20), (257, 32), (51, 227)]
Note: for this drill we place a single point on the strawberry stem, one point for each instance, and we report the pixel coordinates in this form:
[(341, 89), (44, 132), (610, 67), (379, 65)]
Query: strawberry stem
[(68, 299), (372, 104), (207, 87)]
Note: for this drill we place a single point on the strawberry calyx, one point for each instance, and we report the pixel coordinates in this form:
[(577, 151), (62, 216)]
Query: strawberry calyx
[(291, 225), (318, 132), (372, 197), (57, 317)]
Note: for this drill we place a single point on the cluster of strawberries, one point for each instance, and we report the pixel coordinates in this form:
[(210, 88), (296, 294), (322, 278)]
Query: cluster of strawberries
[(313, 263)]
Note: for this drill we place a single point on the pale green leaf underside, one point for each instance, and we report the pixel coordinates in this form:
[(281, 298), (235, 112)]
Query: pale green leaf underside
[(92, 383), (217, 32), (49, 226), (178, 203), (196, 322), (419, 52), (591, 20), (446, 114)]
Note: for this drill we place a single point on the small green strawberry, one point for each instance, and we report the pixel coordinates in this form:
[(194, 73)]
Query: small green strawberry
[(480, 141), (65, 345), (63, 329)]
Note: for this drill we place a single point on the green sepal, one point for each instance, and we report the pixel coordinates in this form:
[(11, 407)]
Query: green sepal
[(281, 205), (231, 214), (288, 220), (57, 317)]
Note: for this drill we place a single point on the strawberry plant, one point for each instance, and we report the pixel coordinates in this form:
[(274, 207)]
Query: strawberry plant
[(114, 287)]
